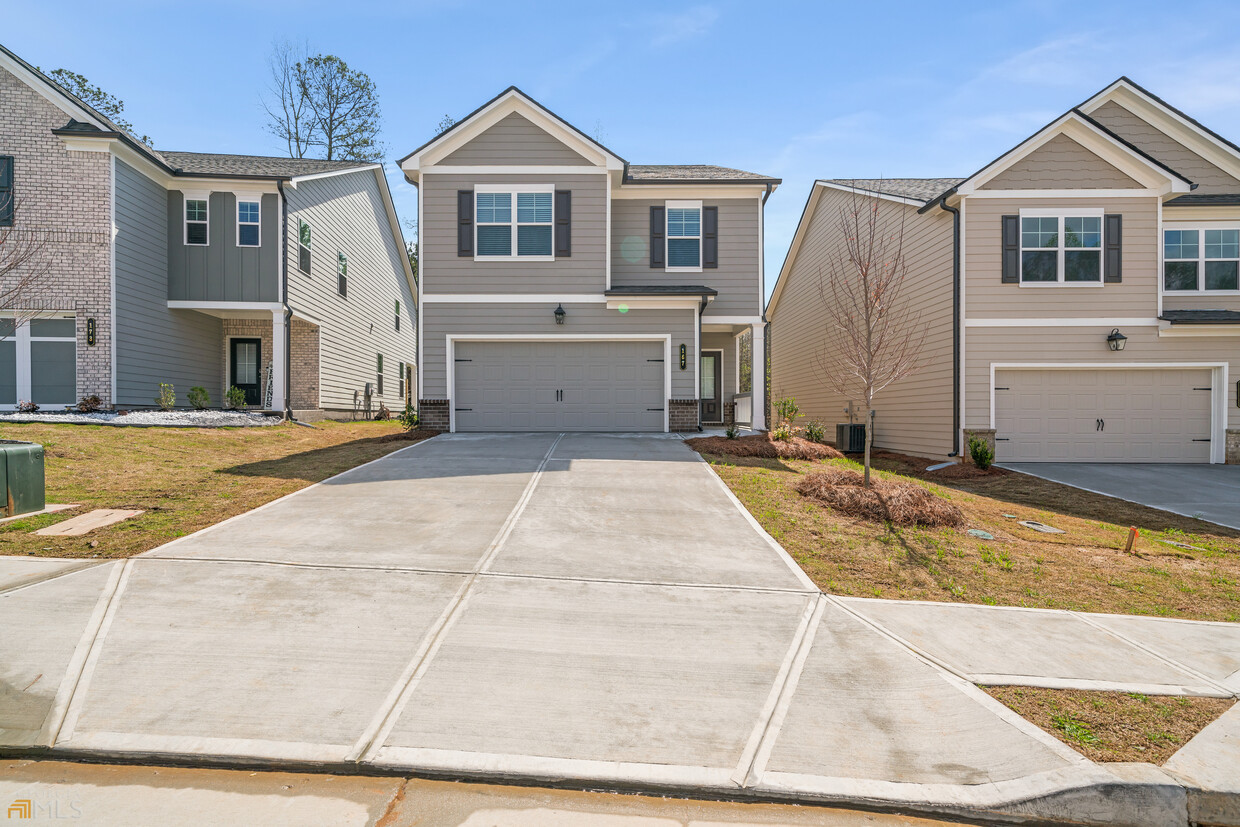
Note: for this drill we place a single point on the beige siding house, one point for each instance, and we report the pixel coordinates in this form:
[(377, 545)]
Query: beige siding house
[(1081, 295), (563, 289)]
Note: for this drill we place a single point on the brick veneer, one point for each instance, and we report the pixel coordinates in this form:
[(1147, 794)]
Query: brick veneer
[(303, 365), (433, 414), (1232, 455), (682, 414), (246, 329), (64, 197)]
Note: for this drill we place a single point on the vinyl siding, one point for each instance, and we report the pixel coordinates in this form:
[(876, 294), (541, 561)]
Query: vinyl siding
[(1061, 163), (1202, 301), (446, 272), (987, 297), (154, 344), (222, 271), (441, 320), (736, 278), (514, 140), (346, 213), (1082, 344), (1140, 133), (914, 415)]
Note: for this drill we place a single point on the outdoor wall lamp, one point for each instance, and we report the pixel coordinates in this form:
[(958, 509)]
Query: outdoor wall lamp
[(1117, 340), (559, 314)]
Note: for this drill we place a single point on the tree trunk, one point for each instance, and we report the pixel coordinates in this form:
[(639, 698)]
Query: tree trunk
[(869, 439)]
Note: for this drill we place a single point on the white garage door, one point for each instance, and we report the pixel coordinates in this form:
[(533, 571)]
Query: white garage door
[(1136, 415), (559, 386)]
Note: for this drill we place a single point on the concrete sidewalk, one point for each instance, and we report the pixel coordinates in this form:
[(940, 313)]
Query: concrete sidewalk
[(572, 609)]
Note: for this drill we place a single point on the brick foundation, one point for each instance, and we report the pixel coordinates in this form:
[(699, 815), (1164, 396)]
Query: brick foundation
[(987, 435), (1232, 455), (433, 414), (682, 414)]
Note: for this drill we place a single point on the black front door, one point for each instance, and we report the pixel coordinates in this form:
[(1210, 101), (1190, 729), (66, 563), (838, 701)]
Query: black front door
[(245, 357), (712, 390)]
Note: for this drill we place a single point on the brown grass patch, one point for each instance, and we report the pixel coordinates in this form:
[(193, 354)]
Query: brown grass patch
[(763, 446), (1114, 726), (885, 501)]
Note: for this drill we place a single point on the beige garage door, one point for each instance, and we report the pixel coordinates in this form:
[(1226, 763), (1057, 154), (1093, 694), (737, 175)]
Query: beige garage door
[(1138, 415)]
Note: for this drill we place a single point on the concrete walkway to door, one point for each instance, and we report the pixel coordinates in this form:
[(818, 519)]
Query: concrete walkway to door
[(1208, 492), (563, 609)]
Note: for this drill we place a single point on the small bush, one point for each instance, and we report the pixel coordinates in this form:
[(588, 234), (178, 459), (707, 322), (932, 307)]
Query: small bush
[(983, 455), (235, 399), (782, 432), (199, 398), (408, 418), (788, 410), (167, 399), (89, 404), (816, 432), (732, 432), (26, 406), (383, 414)]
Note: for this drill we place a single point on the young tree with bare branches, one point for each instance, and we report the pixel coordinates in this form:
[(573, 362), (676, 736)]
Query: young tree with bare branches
[(874, 335), (25, 263)]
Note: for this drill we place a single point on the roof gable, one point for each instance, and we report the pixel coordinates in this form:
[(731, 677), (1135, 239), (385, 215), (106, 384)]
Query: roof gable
[(1061, 163), (514, 139)]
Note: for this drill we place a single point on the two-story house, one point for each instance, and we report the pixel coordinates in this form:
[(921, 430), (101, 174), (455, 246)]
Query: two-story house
[(286, 278), (1080, 294), (563, 289)]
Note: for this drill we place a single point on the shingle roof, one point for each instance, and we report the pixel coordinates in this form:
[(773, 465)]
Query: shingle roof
[(1218, 199), (662, 290), (695, 173), (1201, 316), (261, 166), (919, 189)]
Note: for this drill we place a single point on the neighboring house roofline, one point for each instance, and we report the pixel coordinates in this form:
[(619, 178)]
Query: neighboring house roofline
[(811, 203)]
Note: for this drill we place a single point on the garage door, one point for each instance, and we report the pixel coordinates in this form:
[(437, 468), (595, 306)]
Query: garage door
[(1102, 415), (559, 386)]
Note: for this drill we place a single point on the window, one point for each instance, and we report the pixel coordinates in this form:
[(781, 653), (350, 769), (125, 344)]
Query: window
[(1201, 259), (196, 212), (684, 235), (398, 315), (342, 274), (379, 376), (6, 190), (500, 236), (1060, 249), (400, 381), (247, 223), (303, 246)]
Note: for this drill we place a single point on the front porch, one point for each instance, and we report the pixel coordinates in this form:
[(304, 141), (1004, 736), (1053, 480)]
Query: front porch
[(726, 377)]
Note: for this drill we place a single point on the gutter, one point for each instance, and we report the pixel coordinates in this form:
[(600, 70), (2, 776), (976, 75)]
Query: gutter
[(955, 211), (286, 310)]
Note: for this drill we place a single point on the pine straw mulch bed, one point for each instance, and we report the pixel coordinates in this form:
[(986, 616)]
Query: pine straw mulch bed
[(1113, 726), (885, 501), (763, 446)]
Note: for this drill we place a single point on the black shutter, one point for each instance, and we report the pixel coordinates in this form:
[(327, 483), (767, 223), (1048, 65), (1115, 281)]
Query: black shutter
[(563, 223), (710, 237), (465, 223), (1011, 249), (658, 231), (6, 190), (1113, 238)]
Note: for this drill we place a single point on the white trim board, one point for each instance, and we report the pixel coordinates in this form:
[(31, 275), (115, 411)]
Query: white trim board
[(450, 341), (1218, 391), (513, 298), (512, 169), (1061, 322)]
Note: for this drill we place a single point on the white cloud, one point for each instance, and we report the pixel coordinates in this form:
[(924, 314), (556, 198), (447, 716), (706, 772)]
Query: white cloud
[(677, 28)]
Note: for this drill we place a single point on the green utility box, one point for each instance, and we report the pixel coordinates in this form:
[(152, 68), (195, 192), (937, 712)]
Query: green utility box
[(21, 472)]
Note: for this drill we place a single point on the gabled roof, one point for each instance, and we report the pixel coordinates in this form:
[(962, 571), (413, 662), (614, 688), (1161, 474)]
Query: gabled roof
[(692, 173), (916, 189), (266, 166)]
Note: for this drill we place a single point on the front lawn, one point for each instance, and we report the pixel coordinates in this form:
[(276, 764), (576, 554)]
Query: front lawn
[(183, 479), (1084, 569)]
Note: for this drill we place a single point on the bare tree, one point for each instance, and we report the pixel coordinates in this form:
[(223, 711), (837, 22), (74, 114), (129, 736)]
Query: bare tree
[(445, 123), (874, 336), (110, 106), (289, 110), (25, 263), (321, 108)]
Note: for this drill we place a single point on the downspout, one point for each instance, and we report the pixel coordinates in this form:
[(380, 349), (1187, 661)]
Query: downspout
[(288, 314), (955, 211)]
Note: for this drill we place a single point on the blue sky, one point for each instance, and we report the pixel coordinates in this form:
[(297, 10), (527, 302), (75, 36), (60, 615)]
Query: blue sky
[(795, 90)]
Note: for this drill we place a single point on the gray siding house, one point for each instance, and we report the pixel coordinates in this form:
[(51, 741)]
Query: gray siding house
[(1080, 294), (286, 278), (564, 289)]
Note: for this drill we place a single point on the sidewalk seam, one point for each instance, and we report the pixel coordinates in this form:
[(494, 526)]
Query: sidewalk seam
[(56, 575)]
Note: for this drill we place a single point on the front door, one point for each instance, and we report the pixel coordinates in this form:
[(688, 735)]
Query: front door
[(245, 356), (712, 390)]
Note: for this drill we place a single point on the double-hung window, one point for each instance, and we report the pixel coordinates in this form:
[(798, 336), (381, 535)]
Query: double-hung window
[(303, 246), (684, 235), (247, 223), (342, 274), (379, 375), (1062, 248), (1201, 259), (514, 222), (398, 315), (197, 211)]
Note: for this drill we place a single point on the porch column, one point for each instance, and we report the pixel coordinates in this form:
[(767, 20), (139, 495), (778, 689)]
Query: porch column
[(279, 366), (757, 375)]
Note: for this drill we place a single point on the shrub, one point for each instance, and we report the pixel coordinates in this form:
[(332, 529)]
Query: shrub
[(816, 432), (788, 409), (983, 455), (383, 414), (782, 432), (732, 432), (199, 398), (235, 398), (408, 418), (885, 501), (89, 404), (26, 406), (167, 399)]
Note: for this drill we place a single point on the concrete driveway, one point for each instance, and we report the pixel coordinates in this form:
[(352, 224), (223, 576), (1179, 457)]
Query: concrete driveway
[(573, 609), (1208, 492)]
